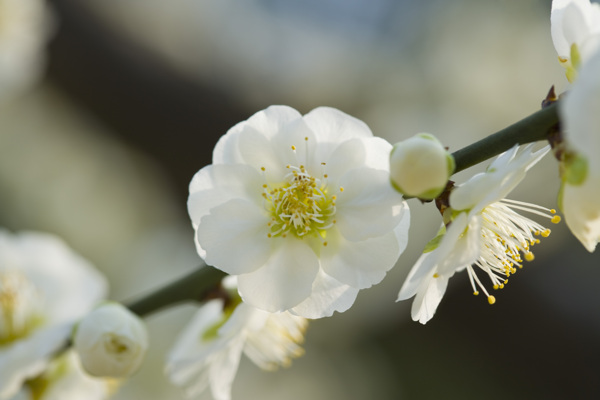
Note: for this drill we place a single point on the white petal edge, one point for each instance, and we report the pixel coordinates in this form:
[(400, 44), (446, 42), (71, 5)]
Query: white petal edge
[(285, 280), (234, 237), (328, 295)]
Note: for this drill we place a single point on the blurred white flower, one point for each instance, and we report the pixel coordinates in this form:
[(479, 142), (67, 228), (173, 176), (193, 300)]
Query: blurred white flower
[(208, 351), (44, 289), (483, 230), (575, 29), (580, 166), (301, 209), (64, 379), (111, 341), (420, 166), (24, 29)]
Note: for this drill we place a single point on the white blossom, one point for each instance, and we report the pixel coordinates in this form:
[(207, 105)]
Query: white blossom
[(575, 28), (482, 230), (580, 166), (44, 289), (24, 29), (64, 379), (301, 209), (208, 351), (420, 166), (111, 341)]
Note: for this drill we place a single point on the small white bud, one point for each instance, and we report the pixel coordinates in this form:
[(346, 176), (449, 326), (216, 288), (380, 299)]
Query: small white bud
[(111, 341), (420, 166)]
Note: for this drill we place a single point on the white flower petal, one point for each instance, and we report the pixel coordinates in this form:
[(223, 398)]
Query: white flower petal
[(267, 122), (234, 236), (582, 212), (359, 264), (223, 370), (335, 126), (328, 295), (284, 281), (579, 111), (51, 267), (573, 22), (452, 253), (217, 184), (378, 152), (345, 157), (463, 245), (369, 206), (29, 357), (502, 176), (428, 298)]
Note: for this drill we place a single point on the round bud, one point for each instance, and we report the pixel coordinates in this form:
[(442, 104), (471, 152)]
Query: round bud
[(420, 166), (111, 341)]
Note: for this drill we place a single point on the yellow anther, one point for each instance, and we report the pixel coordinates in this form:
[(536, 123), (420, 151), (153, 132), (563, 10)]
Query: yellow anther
[(323, 163), (284, 235), (553, 211), (436, 275), (341, 189), (306, 138), (324, 243), (476, 293), (502, 286), (506, 281), (263, 169), (555, 219), (333, 197), (294, 148), (491, 299), (325, 175), (269, 235), (546, 233), (496, 287), (265, 186), (529, 256)]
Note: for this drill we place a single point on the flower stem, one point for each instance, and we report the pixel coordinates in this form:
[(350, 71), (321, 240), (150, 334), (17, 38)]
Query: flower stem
[(192, 287), (530, 129)]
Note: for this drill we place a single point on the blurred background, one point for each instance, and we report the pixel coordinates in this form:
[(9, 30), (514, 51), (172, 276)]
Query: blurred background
[(119, 102)]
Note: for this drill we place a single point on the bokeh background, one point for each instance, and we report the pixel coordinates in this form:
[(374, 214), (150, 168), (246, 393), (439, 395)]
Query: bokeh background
[(134, 94)]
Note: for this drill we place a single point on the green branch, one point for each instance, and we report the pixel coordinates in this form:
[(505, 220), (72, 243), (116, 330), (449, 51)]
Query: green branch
[(192, 287), (530, 129)]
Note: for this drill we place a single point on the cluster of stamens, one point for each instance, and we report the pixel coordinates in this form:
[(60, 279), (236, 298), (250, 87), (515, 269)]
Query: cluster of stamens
[(506, 235), (19, 307), (301, 205)]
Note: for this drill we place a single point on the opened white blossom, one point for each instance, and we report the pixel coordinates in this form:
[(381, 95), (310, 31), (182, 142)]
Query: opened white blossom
[(301, 209), (575, 28), (484, 231), (580, 165), (44, 289), (64, 379), (420, 166), (25, 26), (111, 341), (208, 351)]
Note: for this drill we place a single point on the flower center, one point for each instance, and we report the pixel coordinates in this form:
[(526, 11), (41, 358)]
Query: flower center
[(278, 342), (302, 205), (19, 307), (506, 235)]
